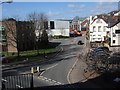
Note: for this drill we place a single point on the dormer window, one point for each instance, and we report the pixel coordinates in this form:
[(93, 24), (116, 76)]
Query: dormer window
[(98, 21)]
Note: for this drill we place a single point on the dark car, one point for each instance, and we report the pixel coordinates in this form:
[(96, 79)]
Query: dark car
[(80, 42)]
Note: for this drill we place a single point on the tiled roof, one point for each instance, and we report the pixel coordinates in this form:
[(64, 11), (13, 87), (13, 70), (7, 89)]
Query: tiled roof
[(109, 18)]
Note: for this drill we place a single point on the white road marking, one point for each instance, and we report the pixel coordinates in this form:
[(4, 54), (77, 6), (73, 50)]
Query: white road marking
[(50, 80), (52, 67), (68, 76), (54, 81), (47, 79)]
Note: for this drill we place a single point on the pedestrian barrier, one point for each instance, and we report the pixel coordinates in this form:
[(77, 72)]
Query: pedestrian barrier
[(15, 82)]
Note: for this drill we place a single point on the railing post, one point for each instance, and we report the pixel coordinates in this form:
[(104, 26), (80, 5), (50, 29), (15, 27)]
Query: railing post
[(31, 81)]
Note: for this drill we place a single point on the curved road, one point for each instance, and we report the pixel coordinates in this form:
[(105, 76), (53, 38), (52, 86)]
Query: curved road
[(56, 73), (59, 71)]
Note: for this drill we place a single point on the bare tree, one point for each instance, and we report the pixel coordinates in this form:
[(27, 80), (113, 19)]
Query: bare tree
[(19, 35), (40, 25), (11, 35)]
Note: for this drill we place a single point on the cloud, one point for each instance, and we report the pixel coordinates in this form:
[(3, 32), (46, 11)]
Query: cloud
[(103, 7), (72, 5), (54, 14), (75, 8)]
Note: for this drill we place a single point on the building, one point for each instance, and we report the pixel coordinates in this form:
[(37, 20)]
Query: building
[(59, 28), (2, 38), (98, 28), (75, 26), (10, 35), (18, 35), (115, 34), (85, 25), (114, 25)]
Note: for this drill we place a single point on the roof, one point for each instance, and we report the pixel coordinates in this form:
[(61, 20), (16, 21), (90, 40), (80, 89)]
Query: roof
[(113, 23), (110, 19)]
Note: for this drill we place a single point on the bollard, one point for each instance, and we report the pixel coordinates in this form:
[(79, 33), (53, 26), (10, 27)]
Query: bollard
[(32, 70), (38, 69)]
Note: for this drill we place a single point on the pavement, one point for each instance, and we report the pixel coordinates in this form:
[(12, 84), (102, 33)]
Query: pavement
[(80, 72), (90, 79)]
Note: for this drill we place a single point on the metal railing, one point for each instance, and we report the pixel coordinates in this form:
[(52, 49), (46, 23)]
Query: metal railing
[(17, 81)]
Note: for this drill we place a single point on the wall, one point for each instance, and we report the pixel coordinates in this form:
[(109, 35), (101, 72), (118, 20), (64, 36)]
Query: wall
[(10, 29), (115, 36), (97, 34), (58, 32), (61, 28)]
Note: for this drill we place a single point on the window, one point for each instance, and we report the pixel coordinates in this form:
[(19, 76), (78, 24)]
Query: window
[(94, 29), (104, 28), (113, 41), (117, 31), (99, 28), (99, 38), (52, 25), (98, 21)]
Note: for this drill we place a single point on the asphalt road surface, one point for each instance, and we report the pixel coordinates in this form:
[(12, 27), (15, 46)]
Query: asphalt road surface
[(56, 72)]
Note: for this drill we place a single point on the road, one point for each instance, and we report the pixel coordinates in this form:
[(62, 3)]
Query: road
[(56, 72)]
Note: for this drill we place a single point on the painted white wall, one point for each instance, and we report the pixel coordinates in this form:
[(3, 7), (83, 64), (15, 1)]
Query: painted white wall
[(61, 24), (115, 36), (98, 35), (58, 32), (61, 28)]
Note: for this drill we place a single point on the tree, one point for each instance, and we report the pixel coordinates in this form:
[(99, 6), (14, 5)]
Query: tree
[(40, 26), (11, 35), (19, 35)]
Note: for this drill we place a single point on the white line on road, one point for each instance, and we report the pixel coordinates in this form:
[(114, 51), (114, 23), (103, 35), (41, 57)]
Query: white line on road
[(52, 67), (48, 69), (50, 80), (68, 76)]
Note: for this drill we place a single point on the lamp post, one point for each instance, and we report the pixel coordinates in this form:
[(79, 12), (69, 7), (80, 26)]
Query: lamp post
[(2, 85)]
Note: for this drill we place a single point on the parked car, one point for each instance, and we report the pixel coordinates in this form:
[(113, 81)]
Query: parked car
[(104, 48), (100, 51), (80, 42)]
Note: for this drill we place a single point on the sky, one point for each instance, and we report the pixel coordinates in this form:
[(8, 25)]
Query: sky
[(57, 10)]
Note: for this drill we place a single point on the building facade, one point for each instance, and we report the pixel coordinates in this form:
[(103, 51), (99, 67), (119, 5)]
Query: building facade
[(59, 28), (2, 38), (98, 29), (19, 35), (115, 34)]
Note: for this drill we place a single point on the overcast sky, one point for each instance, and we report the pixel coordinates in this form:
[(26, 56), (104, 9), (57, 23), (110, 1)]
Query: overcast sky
[(57, 10)]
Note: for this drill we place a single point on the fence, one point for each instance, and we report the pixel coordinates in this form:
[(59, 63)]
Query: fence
[(17, 82)]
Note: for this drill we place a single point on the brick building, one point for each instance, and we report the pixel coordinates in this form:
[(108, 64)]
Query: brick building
[(18, 34)]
